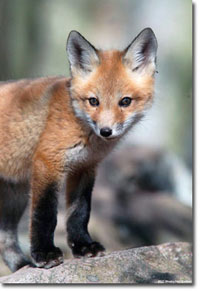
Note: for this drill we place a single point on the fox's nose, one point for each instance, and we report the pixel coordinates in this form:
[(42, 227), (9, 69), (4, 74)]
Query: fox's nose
[(105, 131)]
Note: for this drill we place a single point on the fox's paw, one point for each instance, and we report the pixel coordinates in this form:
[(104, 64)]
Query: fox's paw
[(87, 250), (47, 259)]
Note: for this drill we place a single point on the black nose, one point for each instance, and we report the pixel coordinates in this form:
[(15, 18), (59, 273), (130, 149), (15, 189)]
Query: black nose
[(106, 131)]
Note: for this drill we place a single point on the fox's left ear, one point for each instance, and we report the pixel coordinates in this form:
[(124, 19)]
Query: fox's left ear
[(83, 56), (141, 53)]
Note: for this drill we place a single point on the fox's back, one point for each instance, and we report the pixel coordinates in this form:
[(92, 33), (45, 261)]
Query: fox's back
[(23, 112)]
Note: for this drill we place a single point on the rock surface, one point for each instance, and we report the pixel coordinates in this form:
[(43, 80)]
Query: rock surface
[(169, 263)]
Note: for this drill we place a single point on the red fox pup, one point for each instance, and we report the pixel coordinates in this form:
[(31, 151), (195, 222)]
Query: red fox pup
[(55, 129)]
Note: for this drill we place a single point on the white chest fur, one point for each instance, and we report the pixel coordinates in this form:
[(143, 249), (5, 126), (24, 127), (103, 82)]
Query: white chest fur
[(92, 152)]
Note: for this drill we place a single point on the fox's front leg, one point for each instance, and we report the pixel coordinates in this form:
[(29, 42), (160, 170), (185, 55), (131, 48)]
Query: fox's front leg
[(79, 190), (44, 219)]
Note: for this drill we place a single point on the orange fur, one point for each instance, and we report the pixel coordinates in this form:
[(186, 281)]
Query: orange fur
[(37, 120), (110, 81), (50, 131)]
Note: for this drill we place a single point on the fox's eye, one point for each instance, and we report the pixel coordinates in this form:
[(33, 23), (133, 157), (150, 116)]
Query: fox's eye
[(94, 101), (125, 102)]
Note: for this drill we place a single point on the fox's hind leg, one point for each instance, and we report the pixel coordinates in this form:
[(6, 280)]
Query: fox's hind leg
[(13, 201)]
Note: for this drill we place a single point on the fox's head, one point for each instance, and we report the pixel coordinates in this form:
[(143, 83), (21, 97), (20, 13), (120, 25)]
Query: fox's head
[(110, 90)]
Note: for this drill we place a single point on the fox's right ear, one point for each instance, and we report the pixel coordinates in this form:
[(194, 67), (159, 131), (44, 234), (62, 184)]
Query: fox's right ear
[(83, 56), (140, 55)]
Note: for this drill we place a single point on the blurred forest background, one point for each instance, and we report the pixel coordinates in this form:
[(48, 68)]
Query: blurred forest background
[(143, 193)]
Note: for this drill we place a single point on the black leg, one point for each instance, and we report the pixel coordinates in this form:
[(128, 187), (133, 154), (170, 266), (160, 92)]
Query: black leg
[(13, 201), (79, 191), (44, 220)]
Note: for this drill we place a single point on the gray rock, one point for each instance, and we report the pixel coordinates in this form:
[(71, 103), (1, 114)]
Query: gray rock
[(169, 263)]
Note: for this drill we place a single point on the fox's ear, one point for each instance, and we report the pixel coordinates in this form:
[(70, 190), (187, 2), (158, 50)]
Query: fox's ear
[(83, 57), (141, 53)]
